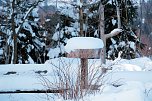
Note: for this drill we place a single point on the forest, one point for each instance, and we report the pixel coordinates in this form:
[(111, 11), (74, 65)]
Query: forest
[(33, 31)]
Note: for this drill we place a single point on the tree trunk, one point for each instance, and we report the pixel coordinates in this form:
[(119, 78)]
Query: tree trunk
[(7, 52), (101, 30), (118, 14), (14, 34), (81, 19)]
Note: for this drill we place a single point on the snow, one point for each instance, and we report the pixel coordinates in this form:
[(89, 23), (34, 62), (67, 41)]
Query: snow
[(143, 20), (57, 35), (116, 30), (79, 3), (75, 25), (23, 97), (26, 26), (144, 63), (23, 73), (47, 20), (30, 60), (132, 45), (128, 80), (39, 43), (125, 93), (113, 41), (65, 7), (83, 43), (110, 2), (57, 27), (54, 52), (127, 67), (1, 52), (122, 43), (90, 15), (22, 35), (69, 11), (96, 33), (114, 21), (35, 12)]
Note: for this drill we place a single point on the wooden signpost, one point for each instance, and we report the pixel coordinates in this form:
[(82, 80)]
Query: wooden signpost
[(84, 55)]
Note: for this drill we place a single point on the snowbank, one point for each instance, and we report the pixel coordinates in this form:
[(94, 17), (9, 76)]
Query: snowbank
[(129, 80), (131, 91), (137, 64)]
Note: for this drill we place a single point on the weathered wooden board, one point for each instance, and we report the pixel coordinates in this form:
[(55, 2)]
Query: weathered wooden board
[(85, 53)]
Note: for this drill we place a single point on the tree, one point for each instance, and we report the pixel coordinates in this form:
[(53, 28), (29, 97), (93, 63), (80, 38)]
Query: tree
[(101, 29), (127, 40), (22, 32), (117, 14), (67, 26), (144, 22), (120, 14)]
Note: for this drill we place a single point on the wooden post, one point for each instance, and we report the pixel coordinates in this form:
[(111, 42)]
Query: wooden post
[(84, 61), (84, 73)]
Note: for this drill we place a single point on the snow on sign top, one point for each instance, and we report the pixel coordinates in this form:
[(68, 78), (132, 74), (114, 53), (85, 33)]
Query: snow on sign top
[(83, 43)]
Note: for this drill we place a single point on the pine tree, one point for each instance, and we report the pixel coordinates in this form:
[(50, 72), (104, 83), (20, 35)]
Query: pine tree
[(24, 42), (127, 40), (66, 28)]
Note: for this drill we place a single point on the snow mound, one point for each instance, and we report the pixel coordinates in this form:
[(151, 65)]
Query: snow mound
[(131, 91), (83, 43), (126, 67), (137, 64)]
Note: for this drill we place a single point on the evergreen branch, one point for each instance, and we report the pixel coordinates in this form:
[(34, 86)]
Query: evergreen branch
[(26, 15), (92, 5)]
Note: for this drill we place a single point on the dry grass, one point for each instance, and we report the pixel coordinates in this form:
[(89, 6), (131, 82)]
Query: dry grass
[(67, 78)]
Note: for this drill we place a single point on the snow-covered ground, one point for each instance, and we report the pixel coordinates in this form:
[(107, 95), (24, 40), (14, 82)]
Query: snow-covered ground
[(129, 80)]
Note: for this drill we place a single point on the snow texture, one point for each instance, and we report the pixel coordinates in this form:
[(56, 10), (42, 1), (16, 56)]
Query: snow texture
[(116, 30), (128, 80), (57, 35), (83, 43), (114, 21), (79, 3), (132, 45), (54, 52)]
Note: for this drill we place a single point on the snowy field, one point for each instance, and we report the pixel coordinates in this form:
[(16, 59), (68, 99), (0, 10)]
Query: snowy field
[(129, 80)]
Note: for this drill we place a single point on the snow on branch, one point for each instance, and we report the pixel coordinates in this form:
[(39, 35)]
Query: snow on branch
[(26, 15), (113, 33)]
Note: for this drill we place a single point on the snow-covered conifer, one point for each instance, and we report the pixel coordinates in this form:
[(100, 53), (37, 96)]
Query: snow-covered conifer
[(24, 40)]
